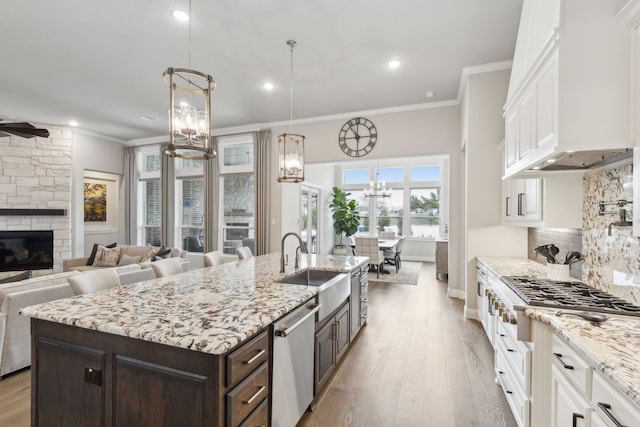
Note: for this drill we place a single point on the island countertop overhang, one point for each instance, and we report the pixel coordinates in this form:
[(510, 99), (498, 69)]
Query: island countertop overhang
[(209, 310)]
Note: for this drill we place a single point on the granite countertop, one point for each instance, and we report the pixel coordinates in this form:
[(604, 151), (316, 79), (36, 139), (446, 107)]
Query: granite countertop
[(611, 348), (210, 310)]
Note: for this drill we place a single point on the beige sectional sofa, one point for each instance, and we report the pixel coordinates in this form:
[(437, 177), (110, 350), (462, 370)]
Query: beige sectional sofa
[(80, 264), (15, 330)]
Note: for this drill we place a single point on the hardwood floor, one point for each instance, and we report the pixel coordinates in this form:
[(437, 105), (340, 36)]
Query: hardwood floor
[(417, 363)]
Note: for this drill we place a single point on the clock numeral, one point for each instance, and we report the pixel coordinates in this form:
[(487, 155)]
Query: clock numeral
[(343, 145)]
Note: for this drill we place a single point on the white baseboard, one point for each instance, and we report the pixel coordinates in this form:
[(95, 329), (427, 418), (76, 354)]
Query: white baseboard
[(418, 258), (471, 313), (456, 293)]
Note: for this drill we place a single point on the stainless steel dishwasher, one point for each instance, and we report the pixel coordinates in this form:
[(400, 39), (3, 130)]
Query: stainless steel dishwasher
[(293, 351)]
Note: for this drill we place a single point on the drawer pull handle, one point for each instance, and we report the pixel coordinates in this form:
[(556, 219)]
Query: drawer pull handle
[(506, 386), (575, 419), (256, 357), (558, 357), (252, 398), (606, 408)]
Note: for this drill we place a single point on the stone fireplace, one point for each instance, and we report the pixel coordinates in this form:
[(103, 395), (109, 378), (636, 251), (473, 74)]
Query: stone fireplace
[(35, 189)]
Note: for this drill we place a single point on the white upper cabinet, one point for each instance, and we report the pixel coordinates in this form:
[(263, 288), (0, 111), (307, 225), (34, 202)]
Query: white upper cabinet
[(570, 82)]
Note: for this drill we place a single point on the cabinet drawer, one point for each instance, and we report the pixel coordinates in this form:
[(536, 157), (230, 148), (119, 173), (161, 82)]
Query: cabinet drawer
[(612, 404), (246, 397), (242, 361), (516, 354), (519, 404), (259, 417), (575, 368)]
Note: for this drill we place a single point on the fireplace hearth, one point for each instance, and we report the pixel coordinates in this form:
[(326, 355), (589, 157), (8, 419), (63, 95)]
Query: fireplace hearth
[(26, 250)]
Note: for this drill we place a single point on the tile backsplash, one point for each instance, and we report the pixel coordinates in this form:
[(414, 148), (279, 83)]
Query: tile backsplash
[(612, 262), (565, 239)]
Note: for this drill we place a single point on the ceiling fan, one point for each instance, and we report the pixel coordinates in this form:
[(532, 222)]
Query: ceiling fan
[(23, 129)]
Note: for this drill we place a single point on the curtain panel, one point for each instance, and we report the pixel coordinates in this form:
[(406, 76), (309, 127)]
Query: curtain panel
[(130, 184), (168, 203), (211, 200), (262, 167)]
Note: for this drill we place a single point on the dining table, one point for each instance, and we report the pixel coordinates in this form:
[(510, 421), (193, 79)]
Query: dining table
[(383, 245)]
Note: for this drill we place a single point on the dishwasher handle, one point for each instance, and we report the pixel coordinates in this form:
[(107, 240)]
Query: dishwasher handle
[(284, 332)]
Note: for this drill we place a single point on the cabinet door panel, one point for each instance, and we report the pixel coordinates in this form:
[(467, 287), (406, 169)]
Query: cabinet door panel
[(342, 327), (545, 129), (325, 353), (527, 125), (568, 406), (62, 370), (136, 394), (511, 139)]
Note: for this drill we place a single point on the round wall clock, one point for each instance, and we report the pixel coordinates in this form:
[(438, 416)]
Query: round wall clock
[(357, 137)]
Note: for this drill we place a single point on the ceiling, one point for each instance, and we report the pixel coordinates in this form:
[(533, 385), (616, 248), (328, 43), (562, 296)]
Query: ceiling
[(100, 63)]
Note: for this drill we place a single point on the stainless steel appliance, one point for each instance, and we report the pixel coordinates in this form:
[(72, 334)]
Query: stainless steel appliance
[(568, 295), (293, 341)]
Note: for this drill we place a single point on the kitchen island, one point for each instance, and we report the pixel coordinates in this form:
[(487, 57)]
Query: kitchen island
[(189, 349)]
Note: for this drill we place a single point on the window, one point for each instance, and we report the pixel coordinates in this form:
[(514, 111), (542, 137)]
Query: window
[(425, 212), (150, 210), (189, 199), (237, 189), (238, 204), (415, 207)]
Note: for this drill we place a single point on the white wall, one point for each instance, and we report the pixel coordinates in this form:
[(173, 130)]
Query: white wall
[(94, 153), (484, 97), (430, 131)]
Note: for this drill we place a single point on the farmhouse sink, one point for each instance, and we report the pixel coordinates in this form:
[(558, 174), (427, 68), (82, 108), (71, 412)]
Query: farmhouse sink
[(309, 277), (333, 287)]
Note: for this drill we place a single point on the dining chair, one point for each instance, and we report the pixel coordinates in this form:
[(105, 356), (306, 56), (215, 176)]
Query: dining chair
[(386, 235), (368, 246), (213, 258), (167, 267), (392, 256), (94, 281), (244, 252)]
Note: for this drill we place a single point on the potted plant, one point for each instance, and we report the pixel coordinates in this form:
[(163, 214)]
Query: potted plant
[(346, 217)]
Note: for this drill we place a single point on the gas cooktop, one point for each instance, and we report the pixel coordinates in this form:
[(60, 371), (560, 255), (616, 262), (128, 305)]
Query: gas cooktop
[(569, 295)]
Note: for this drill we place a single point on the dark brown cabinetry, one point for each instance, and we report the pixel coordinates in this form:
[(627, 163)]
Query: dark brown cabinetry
[(331, 343), (82, 377)]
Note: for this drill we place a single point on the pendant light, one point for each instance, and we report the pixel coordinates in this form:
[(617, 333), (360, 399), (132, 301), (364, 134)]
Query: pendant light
[(377, 188), (291, 145), (190, 118)]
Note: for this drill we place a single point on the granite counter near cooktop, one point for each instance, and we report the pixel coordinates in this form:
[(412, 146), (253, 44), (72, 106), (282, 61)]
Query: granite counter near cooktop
[(210, 310), (611, 348)]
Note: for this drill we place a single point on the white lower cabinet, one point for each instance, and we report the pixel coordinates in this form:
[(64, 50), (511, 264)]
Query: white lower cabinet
[(612, 405), (568, 405)]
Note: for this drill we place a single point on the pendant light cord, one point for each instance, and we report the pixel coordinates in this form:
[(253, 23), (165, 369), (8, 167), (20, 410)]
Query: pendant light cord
[(292, 44)]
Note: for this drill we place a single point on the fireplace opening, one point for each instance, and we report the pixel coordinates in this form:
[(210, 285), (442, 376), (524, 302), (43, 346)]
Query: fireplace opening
[(26, 250)]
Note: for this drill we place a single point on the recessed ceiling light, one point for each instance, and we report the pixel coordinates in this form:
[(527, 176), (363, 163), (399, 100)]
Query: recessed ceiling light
[(180, 15), (73, 123), (535, 168), (148, 118), (430, 94), (268, 86), (551, 160), (394, 64)]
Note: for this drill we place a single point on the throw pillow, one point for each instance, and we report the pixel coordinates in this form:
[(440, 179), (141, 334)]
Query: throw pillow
[(17, 277), (163, 253), (92, 257), (106, 257), (128, 260), (148, 256)]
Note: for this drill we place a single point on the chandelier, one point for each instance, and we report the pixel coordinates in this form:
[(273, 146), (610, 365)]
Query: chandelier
[(190, 118), (377, 189), (291, 145)]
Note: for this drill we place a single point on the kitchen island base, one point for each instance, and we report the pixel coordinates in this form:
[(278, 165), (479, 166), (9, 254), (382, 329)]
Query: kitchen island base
[(89, 378)]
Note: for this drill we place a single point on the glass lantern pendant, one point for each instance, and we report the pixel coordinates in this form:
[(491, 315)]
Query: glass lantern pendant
[(189, 122), (290, 157)]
